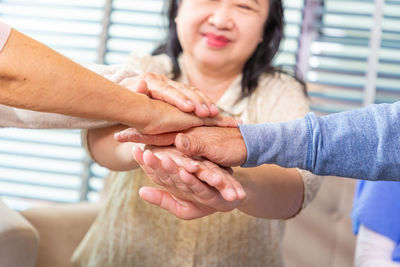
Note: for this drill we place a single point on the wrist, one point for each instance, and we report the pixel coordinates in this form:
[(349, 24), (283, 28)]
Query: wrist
[(141, 114)]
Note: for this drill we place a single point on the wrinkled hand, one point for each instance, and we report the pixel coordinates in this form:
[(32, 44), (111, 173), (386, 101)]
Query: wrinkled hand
[(186, 196), (165, 118), (224, 146), (180, 95)]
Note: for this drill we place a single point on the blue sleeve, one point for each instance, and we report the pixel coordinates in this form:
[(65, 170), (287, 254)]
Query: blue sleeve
[(362, 143)]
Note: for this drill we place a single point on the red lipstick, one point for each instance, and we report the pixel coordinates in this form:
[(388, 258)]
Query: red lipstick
[(216, 40)]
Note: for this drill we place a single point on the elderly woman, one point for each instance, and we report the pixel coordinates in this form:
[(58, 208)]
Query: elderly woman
[(224, 48)]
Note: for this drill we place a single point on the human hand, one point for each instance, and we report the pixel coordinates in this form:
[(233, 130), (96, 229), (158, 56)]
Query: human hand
[(180, 95), (187, 196), (224, 146), (164, 118)]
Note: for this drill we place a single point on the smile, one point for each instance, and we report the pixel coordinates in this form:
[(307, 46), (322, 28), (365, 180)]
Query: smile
[(217, 41)]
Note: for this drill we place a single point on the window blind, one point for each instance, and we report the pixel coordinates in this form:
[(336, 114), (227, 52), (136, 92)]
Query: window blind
[(340, 55), (41, 166), (388, 70), (287, 56)]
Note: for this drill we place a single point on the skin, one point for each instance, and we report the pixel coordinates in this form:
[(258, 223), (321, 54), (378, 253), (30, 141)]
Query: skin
[(110, 153), (186, 196), (31, 73), (209, 68), (224, 146)]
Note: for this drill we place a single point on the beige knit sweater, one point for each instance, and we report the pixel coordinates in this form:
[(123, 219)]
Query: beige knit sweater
[(131, 232)]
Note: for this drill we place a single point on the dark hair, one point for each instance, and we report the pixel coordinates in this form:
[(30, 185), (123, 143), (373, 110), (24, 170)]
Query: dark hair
[(259, 62)]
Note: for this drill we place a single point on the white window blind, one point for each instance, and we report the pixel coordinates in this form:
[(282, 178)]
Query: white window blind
[(287, 56), (388, 76), (134, 26), (340, 55), (38, 166)]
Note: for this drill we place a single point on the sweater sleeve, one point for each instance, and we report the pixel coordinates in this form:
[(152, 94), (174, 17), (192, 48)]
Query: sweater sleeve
[(362, 143), (4, 33)]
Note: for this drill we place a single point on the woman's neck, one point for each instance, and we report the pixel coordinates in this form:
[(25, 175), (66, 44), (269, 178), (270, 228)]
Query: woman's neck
[(213, 82)]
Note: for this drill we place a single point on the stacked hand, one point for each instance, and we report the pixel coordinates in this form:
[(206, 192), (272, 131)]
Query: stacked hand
[(186, 106), (193, 187), (224, 146)]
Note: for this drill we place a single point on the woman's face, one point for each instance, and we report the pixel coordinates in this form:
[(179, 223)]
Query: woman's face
[(220, 32)]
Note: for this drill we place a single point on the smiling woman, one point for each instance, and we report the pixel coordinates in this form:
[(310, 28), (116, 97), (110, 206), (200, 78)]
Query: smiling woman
[(225, 49)]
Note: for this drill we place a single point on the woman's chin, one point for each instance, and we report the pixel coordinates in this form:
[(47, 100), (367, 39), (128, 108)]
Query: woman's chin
[(212, 60)]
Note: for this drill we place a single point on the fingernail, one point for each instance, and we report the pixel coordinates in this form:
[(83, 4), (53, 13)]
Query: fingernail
[(241, 193), (119, 135), (189, 103), (195, 164), (214, 108), (204, 107), (185, 142), (231, 194)]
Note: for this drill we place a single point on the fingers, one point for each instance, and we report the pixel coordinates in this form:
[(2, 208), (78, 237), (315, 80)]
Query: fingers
[(187, 163), (180, 183), (213, 175), (189, 145), (180, 208), (153, 165), (200, 190), (221, 121), (182, 96), (202, 102), (136, 85), (219, 178), (160, 89), (164, 171), (132, 135), (139, 157)]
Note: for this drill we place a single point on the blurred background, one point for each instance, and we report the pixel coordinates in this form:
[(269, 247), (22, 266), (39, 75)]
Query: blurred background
[(347, 51)]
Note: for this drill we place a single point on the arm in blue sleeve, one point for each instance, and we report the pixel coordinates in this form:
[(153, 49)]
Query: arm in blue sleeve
[(362, 143)]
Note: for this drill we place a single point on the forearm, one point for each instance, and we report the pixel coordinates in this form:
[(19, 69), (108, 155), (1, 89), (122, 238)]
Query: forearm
[(109, 153), (363, 143), (35, 77), (272, 192)]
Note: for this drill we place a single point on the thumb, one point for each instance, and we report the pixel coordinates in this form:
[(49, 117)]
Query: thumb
[(132, 135), (189, 144)]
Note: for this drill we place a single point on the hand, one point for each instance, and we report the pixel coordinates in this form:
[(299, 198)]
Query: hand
[(224, 146), (187, 196), (162, 118), (180, 95)]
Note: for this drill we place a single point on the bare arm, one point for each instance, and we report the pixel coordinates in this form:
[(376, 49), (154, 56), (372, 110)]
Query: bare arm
[(33, 76), (272, 192), (107, 152)]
